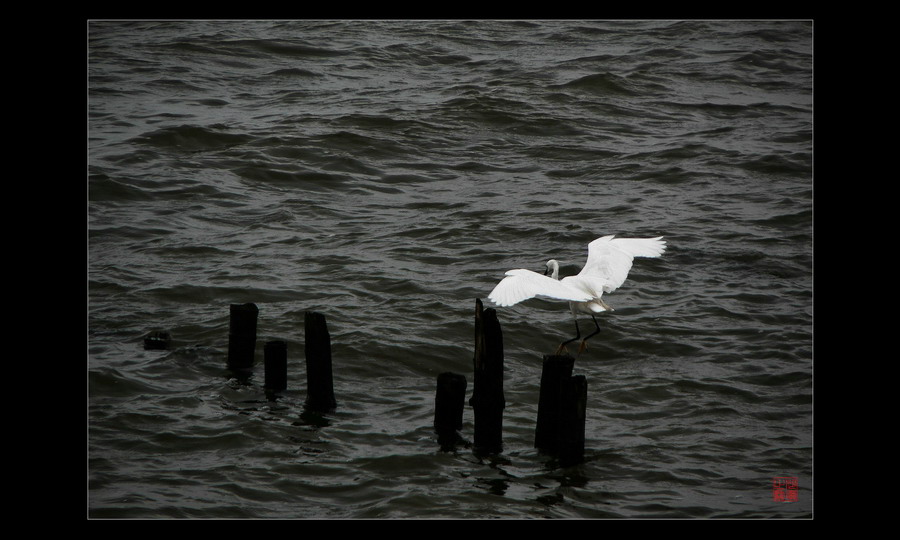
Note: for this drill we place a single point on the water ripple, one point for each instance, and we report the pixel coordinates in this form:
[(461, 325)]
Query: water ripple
[(387, 173)]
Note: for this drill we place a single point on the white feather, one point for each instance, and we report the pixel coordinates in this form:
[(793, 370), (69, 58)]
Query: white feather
[(522, 284), (608, 263), (610, 259)]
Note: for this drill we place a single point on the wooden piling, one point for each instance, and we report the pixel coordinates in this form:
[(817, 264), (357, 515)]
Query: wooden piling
[(573, 406), (487, 400), (320, 385), (562, 405), (557, 370), (242, 337), (275, 361), (449, 403)]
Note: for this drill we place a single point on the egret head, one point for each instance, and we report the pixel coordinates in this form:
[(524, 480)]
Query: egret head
[(552, 269)]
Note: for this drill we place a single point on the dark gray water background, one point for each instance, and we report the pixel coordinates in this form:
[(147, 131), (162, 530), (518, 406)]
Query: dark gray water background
[(387, 174)]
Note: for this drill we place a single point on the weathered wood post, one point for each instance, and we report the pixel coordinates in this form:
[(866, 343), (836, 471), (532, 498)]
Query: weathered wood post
[(242, 338), (320, 385), (561, 411), (557, 370), (276, 366), (449, 403), (573, 407), (487, 399)]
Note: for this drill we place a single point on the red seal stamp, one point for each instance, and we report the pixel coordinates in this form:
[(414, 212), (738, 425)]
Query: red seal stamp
[(784, 489)]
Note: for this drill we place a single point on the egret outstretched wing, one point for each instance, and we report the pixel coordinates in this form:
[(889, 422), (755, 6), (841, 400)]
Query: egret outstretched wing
[(610, 258), (522, 284)]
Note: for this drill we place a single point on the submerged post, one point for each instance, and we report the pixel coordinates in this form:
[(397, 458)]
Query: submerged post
[(157, 340), (276, 366), (449, 403), (487, 396), (320, 385), (242, 337)]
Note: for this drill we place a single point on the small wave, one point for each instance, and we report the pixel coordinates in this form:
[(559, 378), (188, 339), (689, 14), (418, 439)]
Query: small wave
[(601, 83), (284, 48), (305, 178), (294, 72), (109, 382), (102, 188), (191, 138), (213, 102), (780, 164)]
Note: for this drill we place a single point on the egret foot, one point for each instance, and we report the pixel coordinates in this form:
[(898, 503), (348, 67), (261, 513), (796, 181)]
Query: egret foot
[(562, 346), (583, 346)]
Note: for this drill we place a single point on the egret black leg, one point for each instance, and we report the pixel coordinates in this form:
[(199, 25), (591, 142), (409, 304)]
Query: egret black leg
[(562, 346), (592, 334)]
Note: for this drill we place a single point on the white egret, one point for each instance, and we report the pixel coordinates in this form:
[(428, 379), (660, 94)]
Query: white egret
[(609, 260)]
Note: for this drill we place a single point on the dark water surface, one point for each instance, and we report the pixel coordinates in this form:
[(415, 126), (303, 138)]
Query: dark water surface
[(387, 174)]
